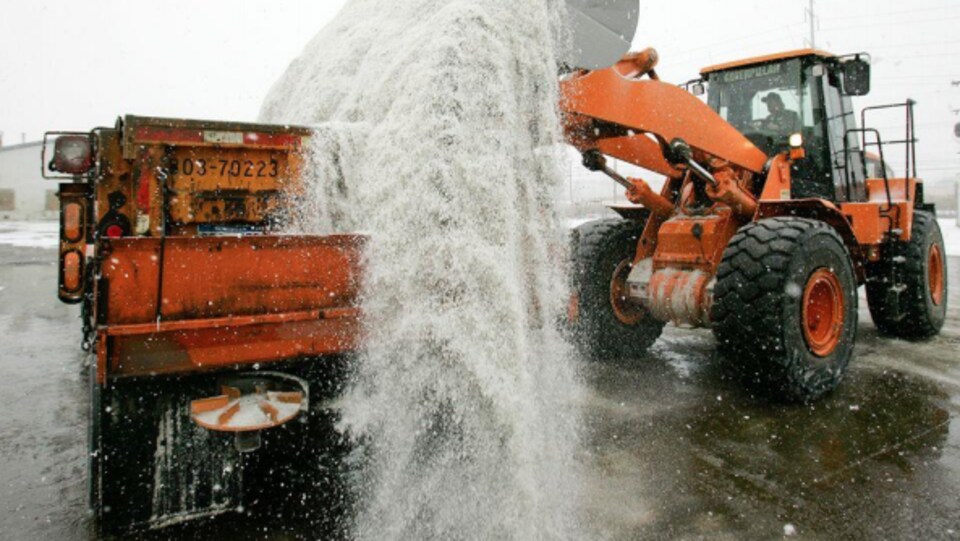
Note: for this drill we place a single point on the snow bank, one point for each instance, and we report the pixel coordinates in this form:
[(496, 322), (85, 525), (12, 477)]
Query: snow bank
[(437, 133), (30, 234)]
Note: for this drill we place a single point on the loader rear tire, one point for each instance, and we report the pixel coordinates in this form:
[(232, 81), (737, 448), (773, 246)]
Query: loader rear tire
[(907, 288), (607, 325), (785, 308)]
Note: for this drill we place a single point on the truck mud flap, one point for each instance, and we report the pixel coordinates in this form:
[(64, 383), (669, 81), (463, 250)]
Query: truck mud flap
[(152, 467)]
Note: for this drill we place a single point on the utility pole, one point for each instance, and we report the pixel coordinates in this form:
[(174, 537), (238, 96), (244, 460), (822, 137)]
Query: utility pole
[(811, 14)]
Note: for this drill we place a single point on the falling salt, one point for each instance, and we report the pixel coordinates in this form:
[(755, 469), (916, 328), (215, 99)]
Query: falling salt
[(436, 132), (793, 290), (789, 530)]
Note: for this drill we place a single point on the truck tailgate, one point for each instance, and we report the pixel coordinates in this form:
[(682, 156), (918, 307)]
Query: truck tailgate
[(178, 304)]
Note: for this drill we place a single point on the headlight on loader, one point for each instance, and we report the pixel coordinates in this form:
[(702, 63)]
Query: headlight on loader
[(797, 152)]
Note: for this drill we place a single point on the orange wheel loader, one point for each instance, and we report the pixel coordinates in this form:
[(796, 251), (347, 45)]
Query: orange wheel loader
[(767, 222)]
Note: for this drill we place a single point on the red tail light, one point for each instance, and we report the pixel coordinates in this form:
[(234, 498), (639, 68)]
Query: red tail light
[(73, 155), (114, 232)]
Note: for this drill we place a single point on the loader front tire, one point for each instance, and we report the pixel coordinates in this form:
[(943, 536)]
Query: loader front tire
[(607, 325), (907, 288), (785, 308)]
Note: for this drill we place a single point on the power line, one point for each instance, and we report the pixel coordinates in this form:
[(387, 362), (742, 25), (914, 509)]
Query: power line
[(778, 30), (915, 44), (885, 13), (891, 23)]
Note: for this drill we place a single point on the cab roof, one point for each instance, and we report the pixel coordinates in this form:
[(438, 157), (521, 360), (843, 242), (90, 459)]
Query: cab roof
[(799, 53)]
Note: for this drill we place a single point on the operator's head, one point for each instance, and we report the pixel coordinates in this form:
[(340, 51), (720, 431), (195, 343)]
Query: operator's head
[(774, 102)]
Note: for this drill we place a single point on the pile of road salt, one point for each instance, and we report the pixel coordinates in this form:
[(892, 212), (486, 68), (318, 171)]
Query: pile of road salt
[(437, 134)]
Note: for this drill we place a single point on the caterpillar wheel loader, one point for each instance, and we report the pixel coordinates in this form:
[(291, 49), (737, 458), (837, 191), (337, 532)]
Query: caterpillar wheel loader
[(767, 223)]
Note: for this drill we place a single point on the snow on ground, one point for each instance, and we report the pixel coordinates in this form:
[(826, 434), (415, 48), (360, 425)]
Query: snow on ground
[(30, 234), (951, 235)]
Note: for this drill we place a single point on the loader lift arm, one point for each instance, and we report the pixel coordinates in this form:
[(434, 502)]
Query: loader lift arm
[(627, 113), (604, 109)]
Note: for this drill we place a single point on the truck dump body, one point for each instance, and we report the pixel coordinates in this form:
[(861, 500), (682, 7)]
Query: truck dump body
[(188, 269)]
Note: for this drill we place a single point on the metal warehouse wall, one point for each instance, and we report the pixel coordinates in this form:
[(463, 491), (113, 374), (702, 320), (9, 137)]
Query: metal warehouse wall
[(24, 194)]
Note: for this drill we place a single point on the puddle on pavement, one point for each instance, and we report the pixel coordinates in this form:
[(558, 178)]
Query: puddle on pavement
[(683, 453)]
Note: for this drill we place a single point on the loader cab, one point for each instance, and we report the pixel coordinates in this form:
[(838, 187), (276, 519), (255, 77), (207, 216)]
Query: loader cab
[(808, 92)]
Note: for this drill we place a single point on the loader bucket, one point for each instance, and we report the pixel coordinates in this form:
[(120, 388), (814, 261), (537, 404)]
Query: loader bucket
[(602, 31)]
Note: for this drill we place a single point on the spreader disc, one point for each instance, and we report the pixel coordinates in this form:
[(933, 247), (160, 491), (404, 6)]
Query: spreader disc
[(249, 404)]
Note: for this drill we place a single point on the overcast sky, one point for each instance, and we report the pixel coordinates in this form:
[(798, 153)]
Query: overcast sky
[(67, 64)]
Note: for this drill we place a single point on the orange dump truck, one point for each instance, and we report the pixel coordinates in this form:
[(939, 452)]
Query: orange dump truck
[(213, 334)]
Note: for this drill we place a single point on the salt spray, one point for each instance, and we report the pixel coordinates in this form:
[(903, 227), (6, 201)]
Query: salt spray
[(437, 134)]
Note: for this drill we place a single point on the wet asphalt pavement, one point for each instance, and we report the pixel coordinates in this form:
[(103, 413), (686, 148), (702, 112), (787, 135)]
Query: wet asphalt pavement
[(676, 452)]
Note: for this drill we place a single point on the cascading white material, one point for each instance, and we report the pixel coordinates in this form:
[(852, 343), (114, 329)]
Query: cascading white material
[(437, 134)]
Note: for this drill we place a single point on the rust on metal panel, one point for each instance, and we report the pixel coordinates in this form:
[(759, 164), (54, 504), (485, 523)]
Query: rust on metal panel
[(213, 345), (680, 296), (139, 131), (227, 185)]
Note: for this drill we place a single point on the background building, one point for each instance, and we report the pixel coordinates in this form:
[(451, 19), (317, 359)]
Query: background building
[(24, 193)]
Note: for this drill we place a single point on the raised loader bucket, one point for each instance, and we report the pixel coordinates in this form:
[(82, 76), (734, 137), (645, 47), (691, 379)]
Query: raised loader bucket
[(602, 31)]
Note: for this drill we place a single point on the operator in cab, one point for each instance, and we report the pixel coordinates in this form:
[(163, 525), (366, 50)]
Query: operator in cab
[(780, 120)]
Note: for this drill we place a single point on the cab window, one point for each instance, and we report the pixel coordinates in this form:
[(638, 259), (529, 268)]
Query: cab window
[(766, 103)]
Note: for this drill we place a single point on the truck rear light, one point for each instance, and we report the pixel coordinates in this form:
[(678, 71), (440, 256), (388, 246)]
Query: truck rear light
[(72, 271), (73, 155), (72, 222), (114, 231)]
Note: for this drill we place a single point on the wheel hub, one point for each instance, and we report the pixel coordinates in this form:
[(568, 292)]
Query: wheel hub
[(625, 309), (935, 277), (823, 312)]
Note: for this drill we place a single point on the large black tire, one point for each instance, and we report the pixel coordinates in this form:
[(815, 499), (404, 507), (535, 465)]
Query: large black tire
[(604, 249), (776, 277), (907, 288)]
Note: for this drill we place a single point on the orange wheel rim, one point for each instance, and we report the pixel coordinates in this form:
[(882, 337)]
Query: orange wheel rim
[(823, 312), (935, 276), (627, 311)]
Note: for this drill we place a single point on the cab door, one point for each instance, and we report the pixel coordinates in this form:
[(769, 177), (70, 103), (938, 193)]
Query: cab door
[(846, 161)]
